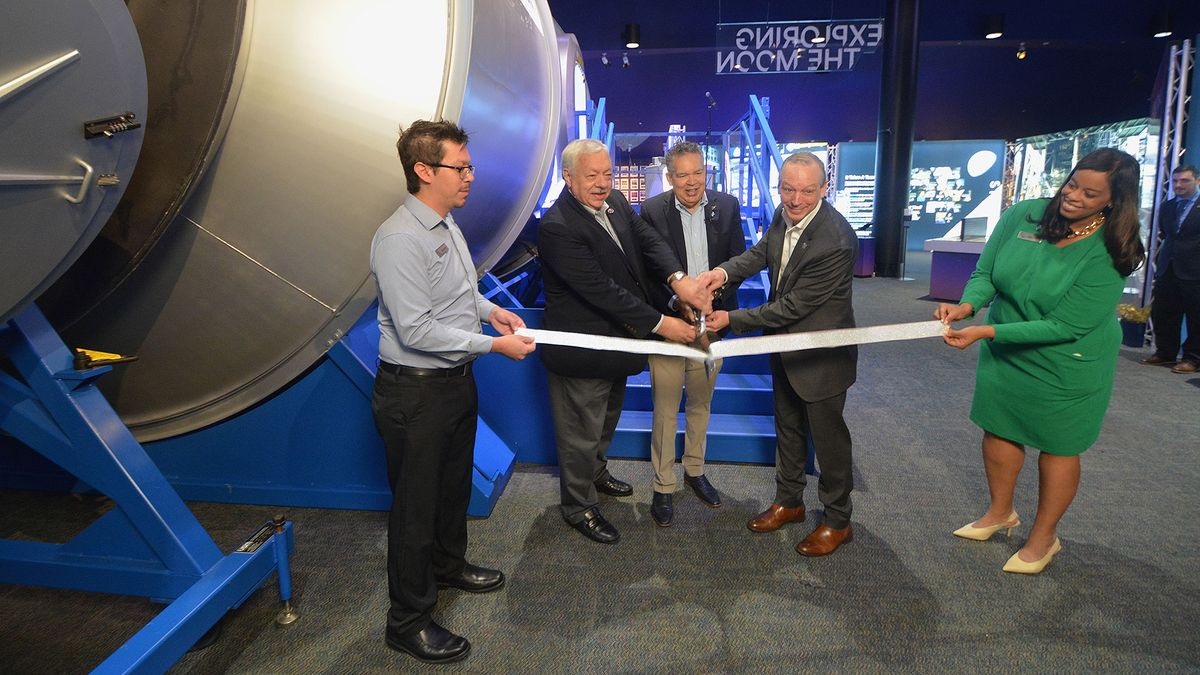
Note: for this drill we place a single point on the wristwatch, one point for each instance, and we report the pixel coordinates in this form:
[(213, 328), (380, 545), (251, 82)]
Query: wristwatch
[(676, 276)]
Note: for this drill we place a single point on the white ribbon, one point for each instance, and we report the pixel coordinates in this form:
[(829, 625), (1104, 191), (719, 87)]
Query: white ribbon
[(766, 344)]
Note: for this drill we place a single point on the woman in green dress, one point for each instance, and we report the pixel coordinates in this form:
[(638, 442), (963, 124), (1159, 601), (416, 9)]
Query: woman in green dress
[(1052, 272)]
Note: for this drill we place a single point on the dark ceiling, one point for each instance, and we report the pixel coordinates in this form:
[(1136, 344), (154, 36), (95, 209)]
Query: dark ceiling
[(1088, 63)]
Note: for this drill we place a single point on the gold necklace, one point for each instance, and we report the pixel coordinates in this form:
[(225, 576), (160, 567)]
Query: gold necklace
[(1088, 229)]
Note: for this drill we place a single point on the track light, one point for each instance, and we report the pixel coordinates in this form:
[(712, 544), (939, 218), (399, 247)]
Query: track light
[(1160, 25), (1021, 53), (993, 26), (604, 59), (624, 60), (632, 36)]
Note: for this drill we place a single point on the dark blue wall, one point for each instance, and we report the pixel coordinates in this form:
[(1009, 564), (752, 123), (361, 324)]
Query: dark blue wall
[(1087, 64)]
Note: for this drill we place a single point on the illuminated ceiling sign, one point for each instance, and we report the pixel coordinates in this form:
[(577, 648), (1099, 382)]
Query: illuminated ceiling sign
[(795, 46)]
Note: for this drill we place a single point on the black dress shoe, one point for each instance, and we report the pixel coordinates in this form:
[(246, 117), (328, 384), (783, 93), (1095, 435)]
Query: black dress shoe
[(432, 644), (595, 527), (474, 580), (614, 487), (704, 490), (661, 510)]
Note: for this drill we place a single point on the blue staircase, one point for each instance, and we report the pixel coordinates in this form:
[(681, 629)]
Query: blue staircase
[(742, 425), (741, 428)]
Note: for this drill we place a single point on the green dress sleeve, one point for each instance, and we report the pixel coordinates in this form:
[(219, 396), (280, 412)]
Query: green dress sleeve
[(980, 290)]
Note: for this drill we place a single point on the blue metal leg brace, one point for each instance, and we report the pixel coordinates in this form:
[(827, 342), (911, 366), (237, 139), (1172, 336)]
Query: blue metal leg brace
[(149, 544)]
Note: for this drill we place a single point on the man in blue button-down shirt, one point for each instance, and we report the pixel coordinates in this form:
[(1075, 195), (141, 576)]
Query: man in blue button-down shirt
[(425, 401)]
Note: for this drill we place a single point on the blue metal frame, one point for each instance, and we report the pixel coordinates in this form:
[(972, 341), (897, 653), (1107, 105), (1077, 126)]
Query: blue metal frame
[(149, 544), (602, 130)]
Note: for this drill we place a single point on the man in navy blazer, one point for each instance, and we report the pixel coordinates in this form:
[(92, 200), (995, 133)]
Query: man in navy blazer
[(1177, 276), (704, 229), (600, 261), (809, 250)]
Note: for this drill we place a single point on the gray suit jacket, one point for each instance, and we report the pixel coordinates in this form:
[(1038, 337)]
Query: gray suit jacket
[(814, 294)]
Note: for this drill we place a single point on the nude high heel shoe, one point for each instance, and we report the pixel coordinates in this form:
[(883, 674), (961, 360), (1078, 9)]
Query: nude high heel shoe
[(969, 531), (1018, 566)]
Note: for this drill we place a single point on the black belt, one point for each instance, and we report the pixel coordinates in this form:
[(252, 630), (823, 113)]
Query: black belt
[(457, 371)]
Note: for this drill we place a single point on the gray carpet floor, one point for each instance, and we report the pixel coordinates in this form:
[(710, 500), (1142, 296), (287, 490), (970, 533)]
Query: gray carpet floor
[(707, 595)]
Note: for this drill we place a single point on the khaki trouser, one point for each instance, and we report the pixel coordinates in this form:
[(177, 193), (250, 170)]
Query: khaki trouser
[(668, 376)]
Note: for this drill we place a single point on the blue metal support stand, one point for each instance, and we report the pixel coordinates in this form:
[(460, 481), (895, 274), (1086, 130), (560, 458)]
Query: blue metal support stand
[(149, 544)]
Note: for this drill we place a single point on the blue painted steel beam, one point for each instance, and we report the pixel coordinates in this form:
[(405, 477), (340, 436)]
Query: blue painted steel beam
[(167, 637), (102, 452), (150, 544)]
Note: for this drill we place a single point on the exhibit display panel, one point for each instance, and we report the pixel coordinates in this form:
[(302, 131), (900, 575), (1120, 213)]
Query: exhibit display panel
[(950, 181)]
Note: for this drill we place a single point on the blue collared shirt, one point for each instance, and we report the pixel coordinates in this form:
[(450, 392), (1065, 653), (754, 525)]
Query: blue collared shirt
[(695, 236), (430, 308)]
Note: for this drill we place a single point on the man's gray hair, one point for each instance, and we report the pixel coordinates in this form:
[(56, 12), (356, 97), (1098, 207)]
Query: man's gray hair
[(807, 159), (682, 148), (580, 146)]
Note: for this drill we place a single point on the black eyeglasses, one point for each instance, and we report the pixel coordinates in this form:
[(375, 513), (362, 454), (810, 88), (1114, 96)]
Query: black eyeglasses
[(463, 171)]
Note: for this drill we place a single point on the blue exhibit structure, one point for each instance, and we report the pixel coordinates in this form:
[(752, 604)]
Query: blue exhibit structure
[(149, 544), (314, 443)]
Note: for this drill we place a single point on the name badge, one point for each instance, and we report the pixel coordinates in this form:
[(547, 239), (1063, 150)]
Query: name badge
[(1028, 236), (442, 250)]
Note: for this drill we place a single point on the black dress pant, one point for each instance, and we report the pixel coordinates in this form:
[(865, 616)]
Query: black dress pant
[(1175, 298), (428, 428), (797, 421), (586, 412)]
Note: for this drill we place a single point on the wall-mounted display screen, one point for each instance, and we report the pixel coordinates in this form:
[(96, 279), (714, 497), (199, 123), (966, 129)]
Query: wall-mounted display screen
[(950, 181)]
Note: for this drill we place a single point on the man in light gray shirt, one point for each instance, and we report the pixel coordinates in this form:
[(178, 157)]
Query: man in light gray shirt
[(425, 401)]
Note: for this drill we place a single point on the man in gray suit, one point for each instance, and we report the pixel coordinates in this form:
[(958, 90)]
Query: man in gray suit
[(809, 251)]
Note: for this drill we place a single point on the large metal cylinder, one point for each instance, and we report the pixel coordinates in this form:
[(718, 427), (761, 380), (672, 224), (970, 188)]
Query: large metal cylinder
[(266, 263)]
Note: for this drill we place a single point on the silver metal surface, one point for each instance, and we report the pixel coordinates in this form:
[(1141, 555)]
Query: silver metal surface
[(62, 62), (192, 80), (264, 267)]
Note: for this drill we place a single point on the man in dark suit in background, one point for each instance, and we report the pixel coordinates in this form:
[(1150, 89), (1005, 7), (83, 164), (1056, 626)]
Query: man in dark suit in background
[(809, 251), (704, 229), (600, 261), (1177, 277)]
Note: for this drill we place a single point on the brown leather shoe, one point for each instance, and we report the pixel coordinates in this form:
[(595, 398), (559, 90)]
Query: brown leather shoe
[(1156, 360), (775, 517), (1185, 367), (824, 540)]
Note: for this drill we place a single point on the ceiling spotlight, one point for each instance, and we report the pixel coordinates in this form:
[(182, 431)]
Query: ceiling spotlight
[(1021, 53), (994, 26), (604, 59), (1160, 25), (632, 36), (624, 60)]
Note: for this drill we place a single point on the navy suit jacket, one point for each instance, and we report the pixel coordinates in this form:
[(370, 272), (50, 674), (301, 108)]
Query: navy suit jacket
[(814, 293), (723, 222), (1180, 248), (594, 287)]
